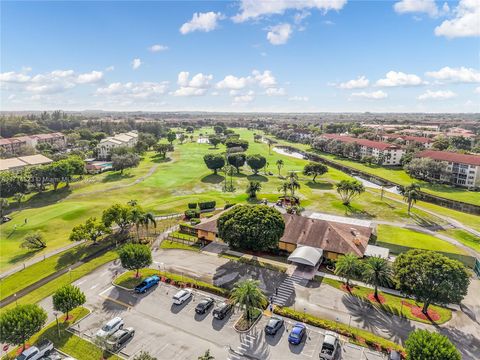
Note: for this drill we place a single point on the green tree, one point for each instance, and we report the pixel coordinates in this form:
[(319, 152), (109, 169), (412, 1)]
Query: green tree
[(349, 189), (235, 143), (20, 323), (256, 162), (214, 140), (34, 241), (237, 160), (377, 272), (411, 194), (431, 278), (171, 136), (135, 257), (162, 149), (284, 188), (251, 227), (125, 161), (214, 162), (67, 298), (252, 188), (248, 295), (91, 230), (423, 345), (279, 164), (314, 169), (118, 214), (18, 197), (218, 129), (206, 356), (3, 206), (293, 183), (347, 266)]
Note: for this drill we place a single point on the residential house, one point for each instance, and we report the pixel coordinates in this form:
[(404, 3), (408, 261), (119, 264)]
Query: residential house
[(408, 139), (106, 145)]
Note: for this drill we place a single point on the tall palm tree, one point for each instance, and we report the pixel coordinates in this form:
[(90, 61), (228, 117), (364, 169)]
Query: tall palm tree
[(132, 202), (137, 217), (279, 164), (252, 188), (377, 272), (148, 218), (284, 188), (347, 266), (411, 194), (293, 183), (248, 295), (18, 198)]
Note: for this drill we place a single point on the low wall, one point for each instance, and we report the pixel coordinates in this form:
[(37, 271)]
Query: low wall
[(437, 200)]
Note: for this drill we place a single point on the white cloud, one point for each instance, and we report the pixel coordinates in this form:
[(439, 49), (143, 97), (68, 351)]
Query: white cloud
[(298, 98), (89, 78), (465, 23), (202, 22), (358, 83), (437, 95), (13, 77), (245, 98), (197, 86), (265, 79), (279, 34), (417, 6), (140, 91), (477, 90), (459, 75), (374, 95), (110, 68), (252, 9), (275, 91), (299, 17), (394, 78), (157, 48), (233, 82), (136, 63)]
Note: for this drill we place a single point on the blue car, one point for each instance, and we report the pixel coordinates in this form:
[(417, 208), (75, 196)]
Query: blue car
[(147, 284), (296, 335)]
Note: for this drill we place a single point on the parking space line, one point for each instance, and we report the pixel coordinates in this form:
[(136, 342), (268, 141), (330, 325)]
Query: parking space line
[(117, 301), (104, 291)]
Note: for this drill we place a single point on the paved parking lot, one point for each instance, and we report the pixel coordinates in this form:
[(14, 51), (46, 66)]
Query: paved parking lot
[(171, 332)]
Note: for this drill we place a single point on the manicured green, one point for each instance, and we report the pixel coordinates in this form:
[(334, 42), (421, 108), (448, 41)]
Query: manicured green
[(393, 304), (465, 238), (167, 244), (415, 240)]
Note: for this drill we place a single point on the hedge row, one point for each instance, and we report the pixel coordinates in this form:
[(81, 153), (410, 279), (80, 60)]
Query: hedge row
[(358, 335), (185, 281), (207, 205)]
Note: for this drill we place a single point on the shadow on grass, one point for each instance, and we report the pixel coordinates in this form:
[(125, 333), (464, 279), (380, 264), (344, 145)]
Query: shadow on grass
[(426, 223), (213, 179), (319, 185), (160, 160), (22, 257), (351, 210), (257, 177), (43, 199), (116, 176), (239, 175)]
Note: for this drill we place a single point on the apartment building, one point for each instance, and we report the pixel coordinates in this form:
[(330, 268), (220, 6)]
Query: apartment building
[(13, 145), (18, 163), (124, 139), (427, 143), (390, 154), (462, 169)]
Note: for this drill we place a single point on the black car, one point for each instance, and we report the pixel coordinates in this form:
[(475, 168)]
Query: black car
[(222, 310), (204, 305), (274, 324)]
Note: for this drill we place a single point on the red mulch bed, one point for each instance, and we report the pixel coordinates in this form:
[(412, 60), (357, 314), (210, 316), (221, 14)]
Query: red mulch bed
[(417, 312), (346, 288), (381, 299)]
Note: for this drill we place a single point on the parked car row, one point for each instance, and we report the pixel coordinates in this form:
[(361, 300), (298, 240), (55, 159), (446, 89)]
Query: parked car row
[(114, 334)]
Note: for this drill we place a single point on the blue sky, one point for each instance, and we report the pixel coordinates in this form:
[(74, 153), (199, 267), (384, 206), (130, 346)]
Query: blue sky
[(250, 55)]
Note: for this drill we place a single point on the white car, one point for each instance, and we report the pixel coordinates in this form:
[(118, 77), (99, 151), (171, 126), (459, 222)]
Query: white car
[(183, 295), (110, 327)]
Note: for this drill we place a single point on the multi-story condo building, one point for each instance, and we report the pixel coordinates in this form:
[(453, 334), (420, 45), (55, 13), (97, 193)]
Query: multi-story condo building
[(462, 169), (426, 142), (18, 163), (124, 139), (13, 145), (385, 153)]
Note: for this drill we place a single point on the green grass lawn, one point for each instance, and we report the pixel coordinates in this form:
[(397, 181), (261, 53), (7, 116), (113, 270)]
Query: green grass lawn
[(69, 343), (167, 244), (170, 187), (393, 304), (465, 238), (404, 237)]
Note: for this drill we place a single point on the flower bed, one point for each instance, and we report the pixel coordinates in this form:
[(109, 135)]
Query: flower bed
[(243, 324)]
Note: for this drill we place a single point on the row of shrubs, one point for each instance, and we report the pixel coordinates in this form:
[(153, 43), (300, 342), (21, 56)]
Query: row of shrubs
[(183, 280), (358, 335), (207, 205)]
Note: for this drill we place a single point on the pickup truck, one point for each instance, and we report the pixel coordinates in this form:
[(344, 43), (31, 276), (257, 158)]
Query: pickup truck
[(42, 349), (330, 346)]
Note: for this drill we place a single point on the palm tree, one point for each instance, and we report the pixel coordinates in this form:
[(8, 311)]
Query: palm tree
[(411, 194), (132, 202), (252, 188), (3, 205), (377, 272), (18, 198), (293, 183), (347, 266), (206, 356), (280, 164), (248, 295), (137, 217), (348, 189), (284, 188), (148, 218)]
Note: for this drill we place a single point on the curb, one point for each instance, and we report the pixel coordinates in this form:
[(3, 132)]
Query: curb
[(251, 326)]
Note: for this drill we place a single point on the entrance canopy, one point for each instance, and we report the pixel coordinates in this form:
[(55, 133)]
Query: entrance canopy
[(306, 255)]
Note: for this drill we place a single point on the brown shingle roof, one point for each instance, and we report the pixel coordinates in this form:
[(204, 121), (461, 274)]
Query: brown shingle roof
[(450, 157), (364, 142), (327, 235)]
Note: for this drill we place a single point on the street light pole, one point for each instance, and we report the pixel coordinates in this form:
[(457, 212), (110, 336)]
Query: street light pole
[(58, 326)]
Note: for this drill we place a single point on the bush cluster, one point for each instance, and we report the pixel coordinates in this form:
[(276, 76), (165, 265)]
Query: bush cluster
[(192, 213)]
